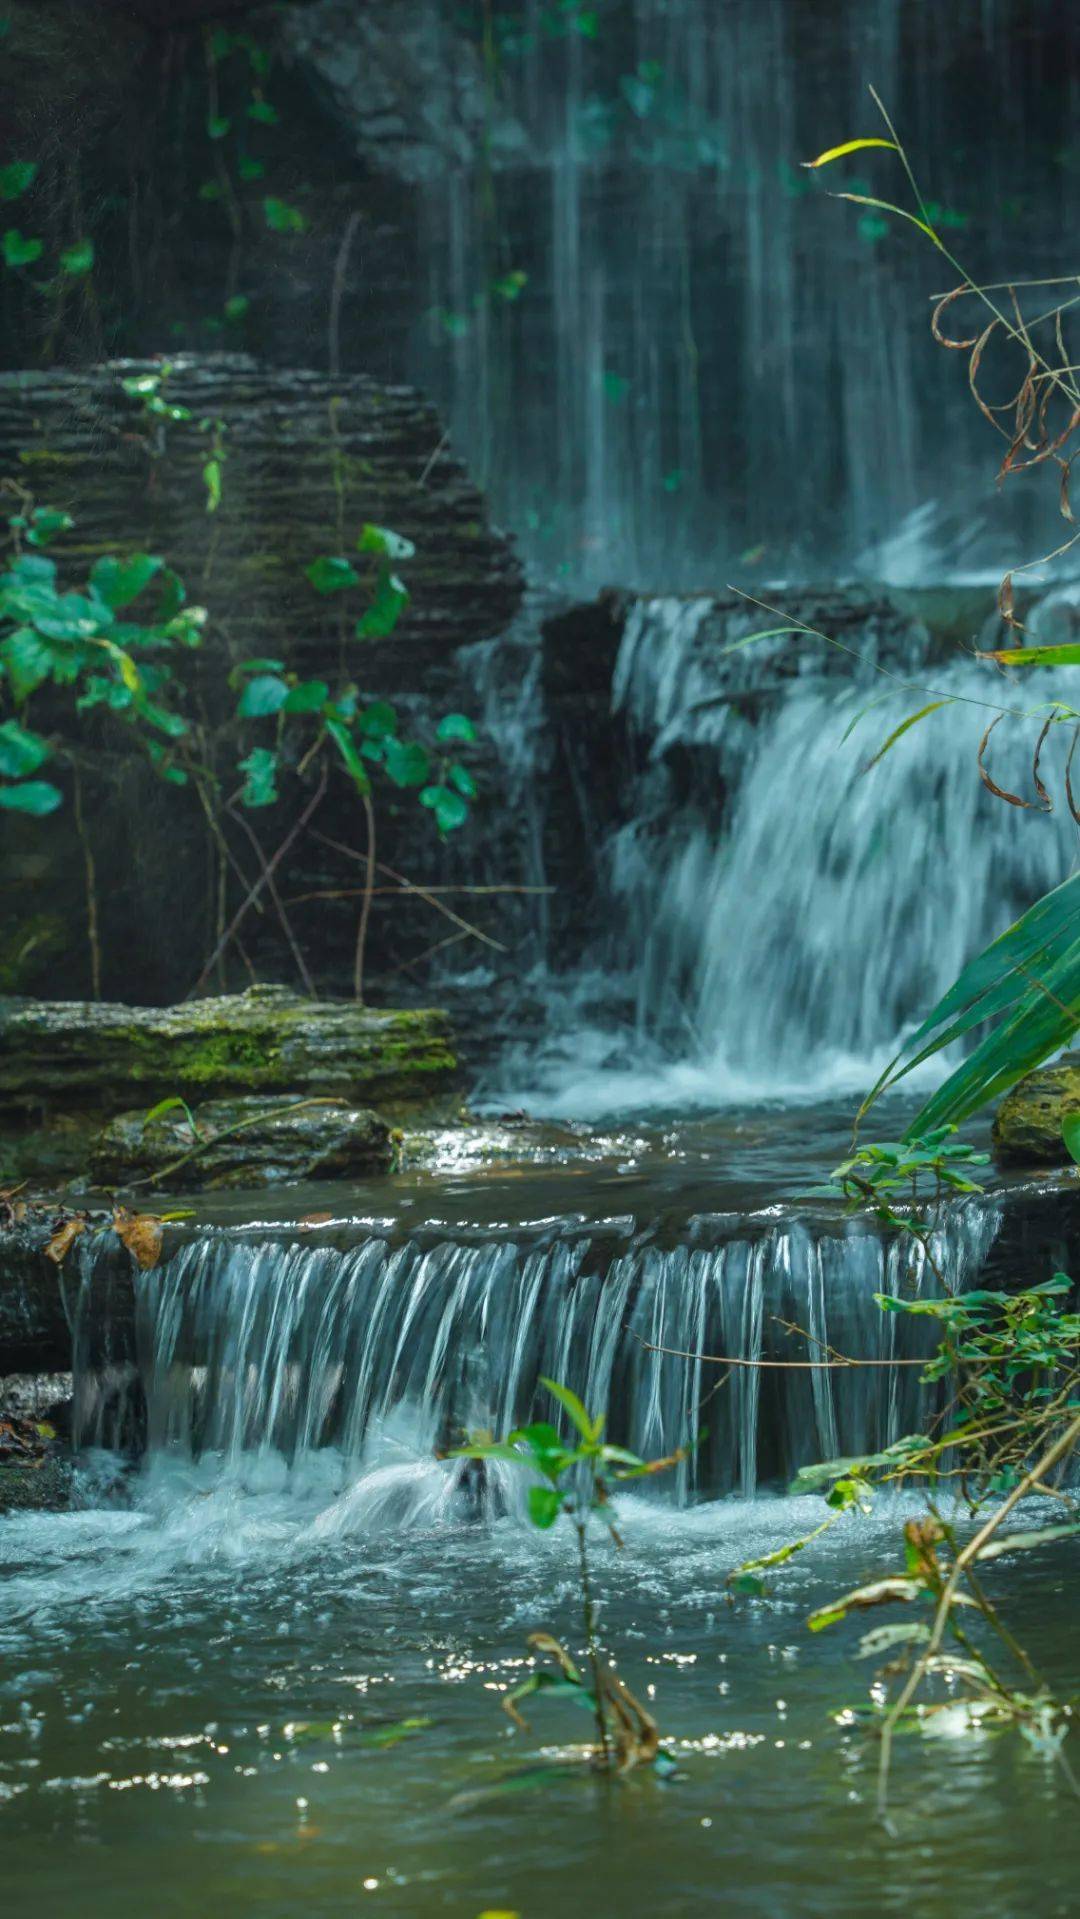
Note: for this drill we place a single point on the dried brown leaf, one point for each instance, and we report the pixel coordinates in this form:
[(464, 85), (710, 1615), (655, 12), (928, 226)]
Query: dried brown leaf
[(64, 1239), (141, 1233)]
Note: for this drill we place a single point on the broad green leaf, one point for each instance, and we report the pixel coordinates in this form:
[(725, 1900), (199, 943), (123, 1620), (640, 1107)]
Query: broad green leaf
[(449, 808), (33, 796), (16, 177), (406, 762), (77, 259), (27, 660), (572, 1406), (21, 752), (904, 727), (262, 111), (455, 726), (1070, 1133), (545, 1503), (380, 539), (263, 695), (217, 126), (389, 602), (46, 524), (237, 306), (237, 673), (283, 218), (309, 697), (330, 574), (378, 721), (260, 777), (849, 146), (877, 1594), (118, 582), (20, 251), (249, 168)]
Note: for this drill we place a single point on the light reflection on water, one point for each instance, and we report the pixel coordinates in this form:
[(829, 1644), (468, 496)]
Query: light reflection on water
[(204, 1699)]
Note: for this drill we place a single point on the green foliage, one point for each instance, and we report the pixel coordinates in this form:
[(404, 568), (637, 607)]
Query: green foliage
[(16, 177), (1024, 988), (75, 639), (77, 259), (282, 218), (20, 251)]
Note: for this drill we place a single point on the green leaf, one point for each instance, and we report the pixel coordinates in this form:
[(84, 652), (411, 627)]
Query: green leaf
[(211, 190), (172, 1105), (886, 206), (904, 727), (378, 721), (267, 115), (573, 1407), (354, 765), (283, 218), (406, 762), (33, 796), (331, 574), (849, 146), (78, 258), (237, 672), (545, 1504), (21, 751), (27, 659), (1025, 1542), (379, 539), (309, 697), (217, 126), (1070, 1133), (390, 600), (260, 783), (1025, 987), (46, 524), (250, 169), (20, 251), (237, 306), (1034, 656), (211, 474), (449, 808), (462, 779), (119, 582), (263, 695), (16, 177), (455, 727)]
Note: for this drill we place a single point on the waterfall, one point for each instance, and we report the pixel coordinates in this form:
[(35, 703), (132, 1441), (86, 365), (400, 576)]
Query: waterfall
[(667, 354), (783, 899), (301, 1359)]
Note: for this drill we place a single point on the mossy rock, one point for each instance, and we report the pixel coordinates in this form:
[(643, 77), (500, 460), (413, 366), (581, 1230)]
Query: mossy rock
[(1028, 1123), (65, 1055), (261, 1141)]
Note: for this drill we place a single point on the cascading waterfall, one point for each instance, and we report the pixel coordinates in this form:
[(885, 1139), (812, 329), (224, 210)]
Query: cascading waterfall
[(640, 317), (261, 1356), (783, 902)]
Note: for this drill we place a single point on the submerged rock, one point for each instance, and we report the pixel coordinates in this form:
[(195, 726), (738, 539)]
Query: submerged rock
[(63, 1055), (1028, 1123), (259, 1141)]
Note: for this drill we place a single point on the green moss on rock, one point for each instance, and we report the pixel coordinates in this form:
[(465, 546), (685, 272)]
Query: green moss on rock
[(59, 1056), (1027, 1125)]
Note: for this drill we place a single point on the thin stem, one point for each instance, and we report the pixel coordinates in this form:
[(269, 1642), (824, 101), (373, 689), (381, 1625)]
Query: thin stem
[(267, 873), (589, 1617), (90, 870), (365, 910)]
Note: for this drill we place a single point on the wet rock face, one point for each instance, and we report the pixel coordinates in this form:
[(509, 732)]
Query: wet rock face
[(244, 1142), (67, 1054), (1028, 1123)]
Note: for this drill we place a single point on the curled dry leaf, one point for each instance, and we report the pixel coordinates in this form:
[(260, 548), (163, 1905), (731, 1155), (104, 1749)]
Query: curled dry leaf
[(141, 1233), (64, 1239)]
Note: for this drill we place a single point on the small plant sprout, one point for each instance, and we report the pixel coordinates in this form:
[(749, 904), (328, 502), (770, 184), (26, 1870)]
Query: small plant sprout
[(575, 1482)]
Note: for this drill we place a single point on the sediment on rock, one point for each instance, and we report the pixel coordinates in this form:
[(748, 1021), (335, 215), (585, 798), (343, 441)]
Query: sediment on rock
[(1028, 1123), (244, 1142)]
